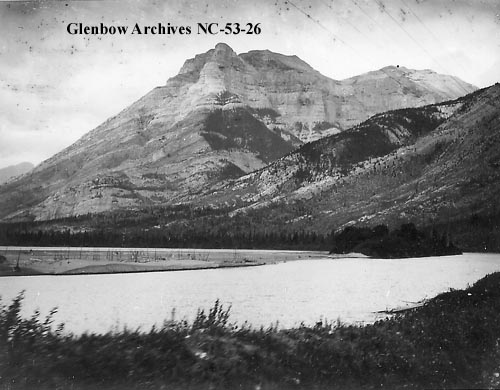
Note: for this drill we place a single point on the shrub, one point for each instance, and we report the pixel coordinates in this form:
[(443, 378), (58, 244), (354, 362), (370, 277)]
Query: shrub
[(450, 342)]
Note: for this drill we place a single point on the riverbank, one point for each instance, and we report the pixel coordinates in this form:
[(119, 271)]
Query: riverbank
[(449, 342), (22, 261)]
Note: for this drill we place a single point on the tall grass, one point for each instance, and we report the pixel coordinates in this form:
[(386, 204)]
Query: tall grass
[(451, 342)]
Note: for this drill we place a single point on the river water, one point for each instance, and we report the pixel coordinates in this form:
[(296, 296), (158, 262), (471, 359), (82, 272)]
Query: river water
[(351, 290)]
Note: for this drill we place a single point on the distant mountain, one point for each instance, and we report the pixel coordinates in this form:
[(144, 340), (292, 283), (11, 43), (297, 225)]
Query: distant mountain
[(11, 171), (223, 116)]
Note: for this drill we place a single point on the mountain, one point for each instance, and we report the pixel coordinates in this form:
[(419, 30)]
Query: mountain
[(12, 171), (223, 116), (436, 164)]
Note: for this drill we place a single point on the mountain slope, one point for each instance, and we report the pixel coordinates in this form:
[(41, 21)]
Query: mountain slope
[(430, 165), (224, 115), (11, 171)]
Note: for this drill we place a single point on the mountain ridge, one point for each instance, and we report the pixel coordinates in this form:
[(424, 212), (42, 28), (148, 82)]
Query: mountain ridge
[(223, 115), (449, 171), (441, 174), (11, 171)]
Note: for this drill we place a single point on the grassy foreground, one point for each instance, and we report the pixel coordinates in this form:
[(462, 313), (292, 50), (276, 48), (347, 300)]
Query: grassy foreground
[(450, 342)]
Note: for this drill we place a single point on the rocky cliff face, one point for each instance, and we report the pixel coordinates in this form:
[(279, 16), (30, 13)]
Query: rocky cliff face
[(307, 104), (224, 115), (433, 164)]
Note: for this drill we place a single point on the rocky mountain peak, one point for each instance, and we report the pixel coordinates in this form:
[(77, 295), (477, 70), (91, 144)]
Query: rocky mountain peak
[(222, 55), (308, 105), (267, 60), (224, 49), (223, 115)]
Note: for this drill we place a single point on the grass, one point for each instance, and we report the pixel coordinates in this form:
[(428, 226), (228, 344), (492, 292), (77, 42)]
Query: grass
[(450, 342)]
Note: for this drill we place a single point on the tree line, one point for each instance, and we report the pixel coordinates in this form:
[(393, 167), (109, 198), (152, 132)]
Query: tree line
[(157, 238), (183, 227)]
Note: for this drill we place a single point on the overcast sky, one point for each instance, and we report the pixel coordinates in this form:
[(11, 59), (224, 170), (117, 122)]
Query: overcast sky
[(55, 87)]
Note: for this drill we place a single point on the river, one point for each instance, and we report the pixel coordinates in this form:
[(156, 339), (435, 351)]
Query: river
[(287, 293)]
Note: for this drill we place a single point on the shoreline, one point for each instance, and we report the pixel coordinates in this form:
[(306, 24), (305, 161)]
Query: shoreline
[(81, 271), (33, 261)]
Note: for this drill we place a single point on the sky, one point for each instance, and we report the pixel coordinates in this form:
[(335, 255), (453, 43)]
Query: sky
[(56, 86)]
